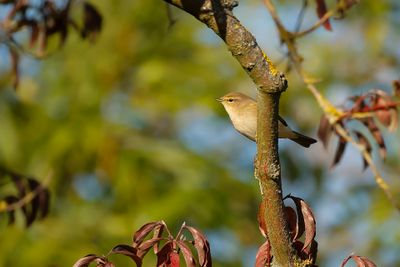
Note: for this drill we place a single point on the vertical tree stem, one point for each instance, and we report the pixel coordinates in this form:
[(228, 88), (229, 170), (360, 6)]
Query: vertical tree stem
[(268, 172), (218, 16)]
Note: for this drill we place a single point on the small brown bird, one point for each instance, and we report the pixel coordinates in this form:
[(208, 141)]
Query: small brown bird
[(242, 111)]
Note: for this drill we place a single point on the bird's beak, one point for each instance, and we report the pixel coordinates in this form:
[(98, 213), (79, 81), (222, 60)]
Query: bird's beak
[(219, 99)]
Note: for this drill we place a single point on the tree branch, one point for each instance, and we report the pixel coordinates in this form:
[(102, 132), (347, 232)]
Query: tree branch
[(217, 15)]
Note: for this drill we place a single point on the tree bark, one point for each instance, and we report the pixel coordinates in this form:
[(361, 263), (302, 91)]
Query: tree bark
[(218, 16)]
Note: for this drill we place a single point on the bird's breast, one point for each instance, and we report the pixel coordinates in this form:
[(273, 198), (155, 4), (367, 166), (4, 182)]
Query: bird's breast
[(246, 126)]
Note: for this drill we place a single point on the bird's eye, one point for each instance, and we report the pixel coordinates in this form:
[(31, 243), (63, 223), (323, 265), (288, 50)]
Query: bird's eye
[(230, 100)]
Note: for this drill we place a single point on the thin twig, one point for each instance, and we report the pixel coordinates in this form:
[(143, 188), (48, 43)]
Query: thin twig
[(300, 17), (286, 36), (274, 14), (320, 22)]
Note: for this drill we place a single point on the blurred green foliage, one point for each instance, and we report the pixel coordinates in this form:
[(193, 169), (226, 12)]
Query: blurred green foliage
[(131, 131)]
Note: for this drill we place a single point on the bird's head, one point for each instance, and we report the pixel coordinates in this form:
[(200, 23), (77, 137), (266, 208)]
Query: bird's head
[(234, 100)]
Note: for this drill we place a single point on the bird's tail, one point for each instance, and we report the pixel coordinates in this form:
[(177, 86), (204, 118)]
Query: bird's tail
[(302, 140)]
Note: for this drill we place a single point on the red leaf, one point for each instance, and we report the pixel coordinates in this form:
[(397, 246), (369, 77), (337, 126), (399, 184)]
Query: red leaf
[(201, 245), (167, 256), (324, 130), (85, 261), (145, 246), (298, 246), (158, 231), (44, 202), (344, 262), (377, 135), (14, 55), (292, 222), (264, 257), (88, 259), (34, 204), (321, 11), (19, 5), (396, 88), (34, 33), (306, 217), (42, 40), (311, 251), (174, 259), (387, 116), (141, 234), (129, 251), (22, 188), (359, 103), (339, 151), (299, 223), (359, 260), (187, 254), (105, 264), (364, 141), (368, 262), (37, 206), (92, 21), (19, 183)]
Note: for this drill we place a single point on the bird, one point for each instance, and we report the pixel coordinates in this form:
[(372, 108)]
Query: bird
[(242, 111)]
